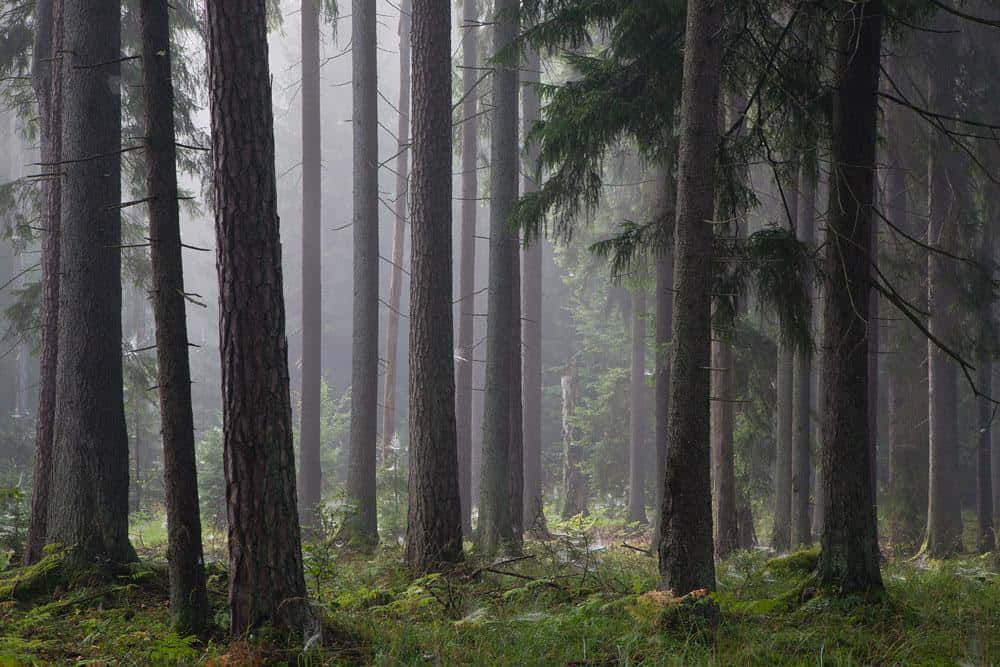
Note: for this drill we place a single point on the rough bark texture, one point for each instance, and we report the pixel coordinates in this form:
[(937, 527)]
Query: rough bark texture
[(685, 549), (188, 599), (266, 584), (637, 416), (515, 453), (943, 536), (495, 519), (531, 322), (434, 519), (310, 469), (467, 261), (389, 389), (362, 525), (88, 500), (47, 81), (985, 540), (849, 560), (724, 517), (801, 534), (574, 480)]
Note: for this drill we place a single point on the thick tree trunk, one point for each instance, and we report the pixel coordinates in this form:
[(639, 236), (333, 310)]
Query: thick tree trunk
[(362, 525), (801, 534), (188, 598), (515, 454), (495, 518), (467, 261), (310, 468), (88, 500), (266, 583), (434, 519), (531, 322), (685, 548), (389, 389), (637, 416), (47, 80), (574, 481), (849, 560)]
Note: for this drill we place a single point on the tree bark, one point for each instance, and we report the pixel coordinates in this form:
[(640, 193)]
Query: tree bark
[(531, 323), (801, 534), (637, 417), (47, 81), (362, 525), (434, 519), (188, 597), (685, 549), (725, 514), (266, 583), (495, 517), (310, 463), (849, 560), (467, 261), (88, 500), (389, 390), (575, 490), (515, 454)]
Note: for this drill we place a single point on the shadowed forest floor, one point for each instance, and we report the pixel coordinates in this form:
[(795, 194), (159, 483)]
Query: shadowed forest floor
[(564, 602)]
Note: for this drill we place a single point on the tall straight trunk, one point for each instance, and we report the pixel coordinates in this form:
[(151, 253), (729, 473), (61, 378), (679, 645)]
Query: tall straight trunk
[(849, 558), (266, 582), (515, 454), (724, 518), (47, 80), (495, 518), (467, 261), (943, 536), (434, 519), (664, 333), (188, 598), (874, 340), (363, 523), (389, 390), (995, 452), (637, 416), (574, 481), (531, 322), (801, 534), (685, 548), (88, 500), (310, 468), (985, 540)]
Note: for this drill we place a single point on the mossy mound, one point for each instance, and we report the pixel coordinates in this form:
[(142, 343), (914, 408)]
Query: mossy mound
[(28, 583), (798, 564)]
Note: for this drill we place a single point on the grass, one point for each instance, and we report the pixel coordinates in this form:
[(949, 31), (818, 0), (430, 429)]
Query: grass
[(564, 603)]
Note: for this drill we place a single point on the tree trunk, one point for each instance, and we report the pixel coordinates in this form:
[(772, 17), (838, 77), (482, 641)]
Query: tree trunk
[(188, 598), (637, 417), (495, 517), (531, 323), (310, 468), (88, 500), (515, 455), (724, 519), (362, 525), (389, 390), (575, 490), (434, 519), (266, 583), (467, 261), (849, 560), (685, 548), (47, 80), (802, 380)]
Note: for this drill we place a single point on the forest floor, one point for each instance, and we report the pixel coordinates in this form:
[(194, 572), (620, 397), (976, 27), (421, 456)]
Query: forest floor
[(565, 601)]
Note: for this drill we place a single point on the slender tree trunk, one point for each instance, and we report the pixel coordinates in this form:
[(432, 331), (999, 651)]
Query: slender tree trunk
[(724, 519), (802, 380), (389, 390), (531, 323), (874, 341), (266, 583), (515, 455), (88, 500), (495, 517), (986, 540), (467, 261), (685, 548), (637, 417), (310, 468), (47, 80), (575, 490), (188, 598), (849, 560), (363, 523), (434, 519)]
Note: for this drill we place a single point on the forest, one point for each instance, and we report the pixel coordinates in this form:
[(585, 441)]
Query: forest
[(499, 332)]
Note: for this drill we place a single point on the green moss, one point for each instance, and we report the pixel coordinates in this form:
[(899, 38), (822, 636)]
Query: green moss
[(27, 583), (798, 564)]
